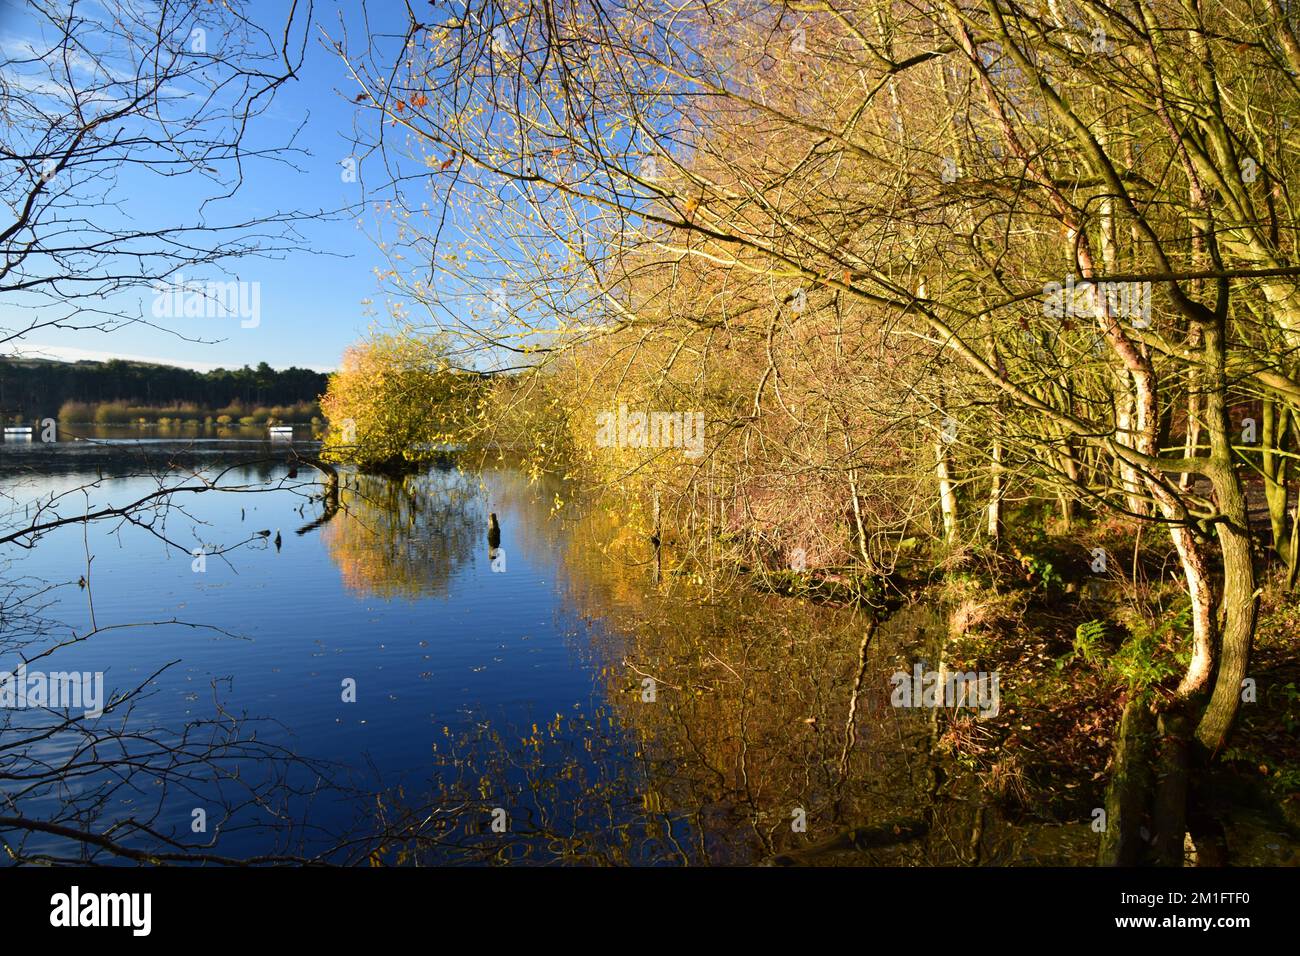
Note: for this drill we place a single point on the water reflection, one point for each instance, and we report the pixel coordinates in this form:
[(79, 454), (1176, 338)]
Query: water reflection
[(734, 728), (404, 537), (589, 700)]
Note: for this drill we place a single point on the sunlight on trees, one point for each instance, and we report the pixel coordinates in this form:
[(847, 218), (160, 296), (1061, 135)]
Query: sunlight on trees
[(870, 242), (393, 401)]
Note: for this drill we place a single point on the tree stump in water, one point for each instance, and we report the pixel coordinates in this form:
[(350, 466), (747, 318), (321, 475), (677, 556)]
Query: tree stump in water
[(1147, 798), (1128, 795), (1170, 806)]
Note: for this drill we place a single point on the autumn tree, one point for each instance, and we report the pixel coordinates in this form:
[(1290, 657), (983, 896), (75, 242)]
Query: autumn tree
[(394, 400), (1083, 238)]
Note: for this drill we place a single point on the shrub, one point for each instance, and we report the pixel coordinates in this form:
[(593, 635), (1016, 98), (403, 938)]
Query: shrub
[(113, 413), (79, 412), (402, 399)]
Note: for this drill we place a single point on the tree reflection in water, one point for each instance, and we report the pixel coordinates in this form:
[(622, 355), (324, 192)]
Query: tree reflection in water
[(745, 736), (404, 537)]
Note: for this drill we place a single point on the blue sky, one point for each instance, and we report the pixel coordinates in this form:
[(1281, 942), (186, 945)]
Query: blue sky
[(312, 305)]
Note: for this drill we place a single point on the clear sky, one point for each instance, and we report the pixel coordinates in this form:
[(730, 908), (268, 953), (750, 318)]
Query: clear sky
[(312, 304)]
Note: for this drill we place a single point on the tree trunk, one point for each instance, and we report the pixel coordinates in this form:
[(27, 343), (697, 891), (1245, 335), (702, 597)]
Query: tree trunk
[(1239, 597), (943, 472), (1273, 440), (995, 493), (1066, 498), (1130, 431)]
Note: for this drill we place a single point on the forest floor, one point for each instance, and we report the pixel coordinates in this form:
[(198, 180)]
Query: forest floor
[(1075, 642)]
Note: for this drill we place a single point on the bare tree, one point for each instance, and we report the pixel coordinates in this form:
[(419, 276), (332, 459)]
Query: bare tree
[(101, 102)]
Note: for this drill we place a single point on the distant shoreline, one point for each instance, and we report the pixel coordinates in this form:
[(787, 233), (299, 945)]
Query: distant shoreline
[(124, 413), (118, 393)]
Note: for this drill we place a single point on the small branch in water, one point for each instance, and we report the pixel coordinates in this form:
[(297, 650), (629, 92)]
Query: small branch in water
[(662, 683), (859, 838)]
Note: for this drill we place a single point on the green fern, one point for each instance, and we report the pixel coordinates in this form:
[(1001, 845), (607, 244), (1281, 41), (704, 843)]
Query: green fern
[(1154, 653), (1089, 637)]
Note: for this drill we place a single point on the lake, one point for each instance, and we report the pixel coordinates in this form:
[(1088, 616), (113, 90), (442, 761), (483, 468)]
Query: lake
[(382, 687)]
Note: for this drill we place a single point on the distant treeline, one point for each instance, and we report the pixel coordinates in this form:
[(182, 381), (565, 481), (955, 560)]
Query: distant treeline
[(89, 391)]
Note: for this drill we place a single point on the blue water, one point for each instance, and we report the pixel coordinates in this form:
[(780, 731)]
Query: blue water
[(512, 697), (437, 642)]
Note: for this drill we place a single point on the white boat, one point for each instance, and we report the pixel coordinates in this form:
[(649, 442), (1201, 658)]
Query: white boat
[(281, 431), (18, 432)]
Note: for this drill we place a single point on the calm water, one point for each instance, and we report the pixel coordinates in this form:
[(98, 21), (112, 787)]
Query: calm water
[(503, 708)]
